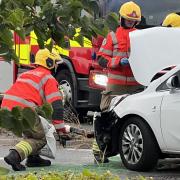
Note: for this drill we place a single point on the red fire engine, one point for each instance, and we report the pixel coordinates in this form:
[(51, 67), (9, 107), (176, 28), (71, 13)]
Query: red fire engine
[(79, 75)]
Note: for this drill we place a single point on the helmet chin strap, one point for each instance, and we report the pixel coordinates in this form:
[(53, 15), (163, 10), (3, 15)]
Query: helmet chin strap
[(122, 23)]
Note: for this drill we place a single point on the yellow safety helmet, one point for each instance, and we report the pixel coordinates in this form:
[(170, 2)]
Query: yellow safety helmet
[(130, 11), (46, 59), (172, 20)]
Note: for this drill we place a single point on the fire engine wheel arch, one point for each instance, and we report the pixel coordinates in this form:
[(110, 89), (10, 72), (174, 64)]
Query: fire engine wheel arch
[(142, 140), (64, 78)]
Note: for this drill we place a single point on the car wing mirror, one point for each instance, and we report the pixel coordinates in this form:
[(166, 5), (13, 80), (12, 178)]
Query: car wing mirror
[(173, 82)]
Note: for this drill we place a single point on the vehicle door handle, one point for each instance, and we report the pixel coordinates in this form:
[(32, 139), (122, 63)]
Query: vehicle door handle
[(153, 108)]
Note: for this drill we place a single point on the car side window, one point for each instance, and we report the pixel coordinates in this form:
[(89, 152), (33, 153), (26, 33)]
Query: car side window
[(163, 86)]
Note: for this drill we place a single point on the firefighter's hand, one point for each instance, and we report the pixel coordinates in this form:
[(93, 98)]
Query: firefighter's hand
[(67, 128), (124, 61), (63, 137)]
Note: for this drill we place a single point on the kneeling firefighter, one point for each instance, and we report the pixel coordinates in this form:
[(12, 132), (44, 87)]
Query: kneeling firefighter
[(31, 89), (113, 56)]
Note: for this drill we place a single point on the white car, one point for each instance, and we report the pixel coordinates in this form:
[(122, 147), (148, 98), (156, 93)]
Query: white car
[(145, 126)]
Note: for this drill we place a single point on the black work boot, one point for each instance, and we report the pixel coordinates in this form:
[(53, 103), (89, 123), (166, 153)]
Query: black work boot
[(98, 159), (37, 161), (14, 159)]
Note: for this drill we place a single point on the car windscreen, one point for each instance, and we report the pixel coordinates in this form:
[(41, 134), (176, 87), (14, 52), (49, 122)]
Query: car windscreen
[(154, 11)]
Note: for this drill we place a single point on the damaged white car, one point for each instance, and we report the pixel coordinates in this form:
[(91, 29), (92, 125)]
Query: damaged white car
[(145, 127)]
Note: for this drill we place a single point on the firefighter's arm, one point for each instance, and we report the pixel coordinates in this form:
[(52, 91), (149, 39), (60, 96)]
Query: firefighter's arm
[(54, 97), (57, 117), (105, 52)]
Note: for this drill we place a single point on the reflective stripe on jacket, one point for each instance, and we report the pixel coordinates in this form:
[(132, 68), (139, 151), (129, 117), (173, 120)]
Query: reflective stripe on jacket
[(114, 48)]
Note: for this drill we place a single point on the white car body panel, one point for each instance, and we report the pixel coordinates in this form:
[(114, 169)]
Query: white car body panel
[(160, 109), (153, 50), (147, 106), (170, 120)]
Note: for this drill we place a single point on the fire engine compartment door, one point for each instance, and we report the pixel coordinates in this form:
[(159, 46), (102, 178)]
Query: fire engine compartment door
[(6, 75), (22, 49)]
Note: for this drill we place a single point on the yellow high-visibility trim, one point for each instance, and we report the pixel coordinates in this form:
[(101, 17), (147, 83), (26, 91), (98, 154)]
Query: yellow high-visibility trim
[(33, 38), (23, 52), (25, 147), (20, 146), (86, 43), (95, 146), (62, 51)]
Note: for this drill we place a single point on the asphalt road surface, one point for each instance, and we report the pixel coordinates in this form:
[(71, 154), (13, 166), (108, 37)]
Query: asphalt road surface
[(79, 159)]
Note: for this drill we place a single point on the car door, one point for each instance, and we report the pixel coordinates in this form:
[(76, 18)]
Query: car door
[(170, 117)]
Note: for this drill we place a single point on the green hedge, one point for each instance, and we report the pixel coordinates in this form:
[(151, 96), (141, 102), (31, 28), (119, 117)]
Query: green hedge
[(67, 175)]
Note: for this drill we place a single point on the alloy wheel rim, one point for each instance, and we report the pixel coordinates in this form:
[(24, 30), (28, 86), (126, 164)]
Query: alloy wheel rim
[(132, 144), (66, 90)]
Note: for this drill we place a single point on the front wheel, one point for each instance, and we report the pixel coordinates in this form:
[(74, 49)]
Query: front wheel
[(66, 85), (137, 145), (71, 113), (66, 88)]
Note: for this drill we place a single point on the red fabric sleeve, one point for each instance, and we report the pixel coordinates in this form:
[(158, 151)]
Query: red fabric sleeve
[(59, 125), (51, 91), (106, 48)]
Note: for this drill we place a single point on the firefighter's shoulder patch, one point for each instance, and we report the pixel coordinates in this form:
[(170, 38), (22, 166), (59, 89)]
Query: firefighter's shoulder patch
[(104, 42)]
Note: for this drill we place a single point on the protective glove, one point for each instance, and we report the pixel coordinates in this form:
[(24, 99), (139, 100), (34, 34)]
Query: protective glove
[(64, 136), (67, 128), (124, 61)]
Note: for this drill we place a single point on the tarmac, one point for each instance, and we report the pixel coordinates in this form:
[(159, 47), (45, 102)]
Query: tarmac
[(8, 139), (81, 157)]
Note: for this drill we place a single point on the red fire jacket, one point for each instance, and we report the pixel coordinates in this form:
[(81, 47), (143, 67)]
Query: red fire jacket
[(114, 48), (33, 88)]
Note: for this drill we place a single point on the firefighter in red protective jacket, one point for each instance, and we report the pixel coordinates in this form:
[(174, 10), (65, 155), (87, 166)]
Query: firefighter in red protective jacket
[(113, 55), (31, 89)]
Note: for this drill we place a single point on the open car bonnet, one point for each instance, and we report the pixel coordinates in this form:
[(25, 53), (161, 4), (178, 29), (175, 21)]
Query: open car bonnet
[(153, 50)]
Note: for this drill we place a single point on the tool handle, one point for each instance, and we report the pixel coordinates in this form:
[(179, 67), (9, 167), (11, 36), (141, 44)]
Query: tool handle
[(78, 131)]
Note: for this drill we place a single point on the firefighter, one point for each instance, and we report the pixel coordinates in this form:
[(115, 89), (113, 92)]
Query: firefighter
[(113, 55), (172, 20), (31, 89)]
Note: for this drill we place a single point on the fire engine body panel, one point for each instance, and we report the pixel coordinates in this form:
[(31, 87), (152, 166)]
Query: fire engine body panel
[(74, 71)]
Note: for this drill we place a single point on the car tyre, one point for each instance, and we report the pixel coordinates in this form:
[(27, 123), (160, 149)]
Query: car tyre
[(137, 145)]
